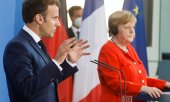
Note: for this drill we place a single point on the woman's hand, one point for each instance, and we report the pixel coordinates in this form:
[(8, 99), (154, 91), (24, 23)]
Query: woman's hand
[(167, 85), (152, 91)]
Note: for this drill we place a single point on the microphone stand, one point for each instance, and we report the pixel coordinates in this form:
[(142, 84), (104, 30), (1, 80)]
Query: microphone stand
[(118, 71)]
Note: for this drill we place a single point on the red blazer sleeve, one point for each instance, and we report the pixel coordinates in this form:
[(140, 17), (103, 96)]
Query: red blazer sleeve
[(156, 83)]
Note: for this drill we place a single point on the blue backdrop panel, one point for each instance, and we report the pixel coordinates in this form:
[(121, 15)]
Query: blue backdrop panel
[(10, 23), (18, 24)]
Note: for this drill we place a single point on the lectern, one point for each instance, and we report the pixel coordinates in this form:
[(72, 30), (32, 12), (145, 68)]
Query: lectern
[(165, 97)]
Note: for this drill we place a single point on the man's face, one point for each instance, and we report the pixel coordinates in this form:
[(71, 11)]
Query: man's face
[(76, 14), (49, 25)]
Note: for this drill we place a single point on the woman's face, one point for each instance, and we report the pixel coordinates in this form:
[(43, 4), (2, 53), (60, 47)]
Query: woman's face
[(126, 33)]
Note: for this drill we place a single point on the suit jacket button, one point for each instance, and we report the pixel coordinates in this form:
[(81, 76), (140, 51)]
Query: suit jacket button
[(143, 81), (134, 62)]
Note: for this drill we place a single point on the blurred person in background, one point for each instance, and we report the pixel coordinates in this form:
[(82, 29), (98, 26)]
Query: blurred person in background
[(75, 13)]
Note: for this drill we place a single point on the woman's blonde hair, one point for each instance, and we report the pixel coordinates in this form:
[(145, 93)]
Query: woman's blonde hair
[(119, 18)]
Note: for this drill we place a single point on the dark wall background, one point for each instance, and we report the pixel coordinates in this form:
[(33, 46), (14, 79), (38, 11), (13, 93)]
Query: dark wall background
[(148, 10)]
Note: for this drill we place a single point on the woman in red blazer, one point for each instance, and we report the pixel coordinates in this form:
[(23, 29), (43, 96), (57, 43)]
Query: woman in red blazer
[(118, 52)]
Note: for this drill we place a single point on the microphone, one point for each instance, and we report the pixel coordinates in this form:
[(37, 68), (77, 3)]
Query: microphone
[(118, 72)]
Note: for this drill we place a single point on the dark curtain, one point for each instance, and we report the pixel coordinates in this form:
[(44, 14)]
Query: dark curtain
[(63, 13)]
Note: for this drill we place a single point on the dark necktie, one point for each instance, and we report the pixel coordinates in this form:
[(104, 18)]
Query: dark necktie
[(41, 44), (78, 35)]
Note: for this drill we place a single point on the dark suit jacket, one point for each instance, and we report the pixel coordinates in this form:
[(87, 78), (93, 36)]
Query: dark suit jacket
[(31, 75), (70, 33)]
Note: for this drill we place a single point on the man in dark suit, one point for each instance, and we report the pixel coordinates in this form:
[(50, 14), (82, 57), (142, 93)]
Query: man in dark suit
[(75, 13), (31, 75)]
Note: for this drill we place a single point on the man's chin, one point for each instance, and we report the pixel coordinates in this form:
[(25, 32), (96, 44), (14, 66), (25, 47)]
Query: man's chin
[(50, 35)]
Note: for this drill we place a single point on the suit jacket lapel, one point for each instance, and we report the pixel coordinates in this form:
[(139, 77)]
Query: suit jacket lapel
[(70, 33), (38, 49), (129, 54), (35, 46)]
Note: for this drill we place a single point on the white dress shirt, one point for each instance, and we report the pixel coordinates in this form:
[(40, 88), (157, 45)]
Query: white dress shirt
[(37, 39), (75, 30)]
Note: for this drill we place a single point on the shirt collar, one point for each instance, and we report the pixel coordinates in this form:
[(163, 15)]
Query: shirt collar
[(74, 30), (30, 32)]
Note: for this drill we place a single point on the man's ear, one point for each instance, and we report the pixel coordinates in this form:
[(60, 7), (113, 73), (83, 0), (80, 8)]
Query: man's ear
[(72, 18), (39, 18)]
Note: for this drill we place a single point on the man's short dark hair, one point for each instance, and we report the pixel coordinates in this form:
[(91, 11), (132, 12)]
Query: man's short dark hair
[(72, 9), (32, 7)]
